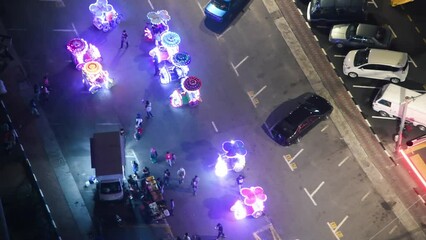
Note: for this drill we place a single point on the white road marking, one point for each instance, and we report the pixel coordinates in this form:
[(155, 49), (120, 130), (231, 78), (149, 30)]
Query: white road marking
[(380, 117), (309, 26), (258, 92), (63, 30), (373, 2), (75, 30), (343, 161), (289, 162), (316, 39), (341, 80), (393, 33), (324, 128), (412, 61), (368, 123), (362, 86), (332, 65), (241, 62), (201, 8), (377, 138), (235, 69), (359, 109), (214, 126), (313, 193), (297, 154), (323, 51), (300, 11), (393, 229), (219, 36), (365, 196), (339, 56), (150, 4)]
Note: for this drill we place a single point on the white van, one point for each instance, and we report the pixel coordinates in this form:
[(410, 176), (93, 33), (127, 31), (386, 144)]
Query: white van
[(390, 99), (377, 63)]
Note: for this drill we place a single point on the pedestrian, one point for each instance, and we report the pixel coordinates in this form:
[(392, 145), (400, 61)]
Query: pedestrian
[(181, 175), (154, 155), (160, 184), (148, 109), (169, 158), (145, 172), (135, 166), (186, 236), (139, 120), (34, 110), (173, 158), (36, 92), (157, 69), (220, 233), (194, 184), (172, 206), (240, 180), (124, 39), (166, 177)]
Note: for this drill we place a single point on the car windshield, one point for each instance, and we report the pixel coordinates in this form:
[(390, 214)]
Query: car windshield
[(351, 31), (112, 187), (361, 57), (222, 4)]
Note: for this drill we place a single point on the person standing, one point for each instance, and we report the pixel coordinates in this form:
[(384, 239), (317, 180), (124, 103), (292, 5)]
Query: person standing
[(157, 69), (124, 39), (220, 233), (34, 110), (186, 236), (166, 177), (135, 166), (194, 184), (154, 155), (169, 158), (240, 180), (172, 206), (148, 109), (181, 175)]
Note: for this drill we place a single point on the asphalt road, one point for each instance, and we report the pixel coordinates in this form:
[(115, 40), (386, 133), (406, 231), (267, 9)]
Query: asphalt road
[(324, 165)]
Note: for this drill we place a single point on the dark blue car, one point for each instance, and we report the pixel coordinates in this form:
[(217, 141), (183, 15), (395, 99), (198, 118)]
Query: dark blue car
[(221, 10)]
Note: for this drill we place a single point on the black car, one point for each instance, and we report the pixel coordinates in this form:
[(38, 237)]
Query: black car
[(359, 35), (293, 119), (329, 12)]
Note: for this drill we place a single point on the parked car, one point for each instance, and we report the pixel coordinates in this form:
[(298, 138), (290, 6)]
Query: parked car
[(376, 63), (222, 10), (359, 35), (293, 119), (329, 12)]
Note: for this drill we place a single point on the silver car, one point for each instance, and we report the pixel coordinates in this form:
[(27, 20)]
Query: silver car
[(359, 35)]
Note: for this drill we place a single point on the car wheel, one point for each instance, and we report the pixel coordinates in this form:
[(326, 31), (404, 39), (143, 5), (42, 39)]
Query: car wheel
[(383, 114), (352, 75), (339, 45), (395, 80), (422, 128)]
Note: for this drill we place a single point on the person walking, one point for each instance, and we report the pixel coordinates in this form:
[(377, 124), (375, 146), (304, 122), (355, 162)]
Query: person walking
[(169, 158), (148, 109), (181, 175), (220, 233), (124, 39), (194, 184), (154, 155), (172, 206), (186, 236), (240, 180), (34, 110), (166, 177), (135, 167)]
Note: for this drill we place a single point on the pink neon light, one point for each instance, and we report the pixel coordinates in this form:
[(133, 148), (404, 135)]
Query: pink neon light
[(413, 167)]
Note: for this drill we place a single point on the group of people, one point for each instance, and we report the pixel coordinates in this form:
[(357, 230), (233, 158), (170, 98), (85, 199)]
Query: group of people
[(139, 119)]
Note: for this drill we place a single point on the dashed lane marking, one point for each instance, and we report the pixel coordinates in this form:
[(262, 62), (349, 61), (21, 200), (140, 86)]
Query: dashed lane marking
[(324, 128), (393, 229), (150, 4), (393, 33), (339, 56), (373, 2), (380, 117), (343, 161), (362, 86), (365, 196), (214, 126)]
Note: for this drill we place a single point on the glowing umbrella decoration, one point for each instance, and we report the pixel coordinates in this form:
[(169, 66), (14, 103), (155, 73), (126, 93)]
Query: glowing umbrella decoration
[(191, 84), (254, 198), (92, 67), (100, 7), (158, 17), (221, 167), (170, 39), (181, 59), (77, 45), (234, 148)]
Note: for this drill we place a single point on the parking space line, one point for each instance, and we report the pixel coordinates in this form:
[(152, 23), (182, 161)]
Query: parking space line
[(75, 30), (343, 161), (361, 86), (332, 65), (316, 39), (324, 128), (412, 61), (365, 196), (368, 123), (373, 2), (300, 11), (309, 26), (393, 229), (350, 94), (150, 4), (417, 29), (221, 35), (214, 126), (201, 8), (359, 109), (393, 33), (289, 160), (377, 138), (380, 117), (339, 56), (323, 51), (313, 193), (335, 228), (235, 67)]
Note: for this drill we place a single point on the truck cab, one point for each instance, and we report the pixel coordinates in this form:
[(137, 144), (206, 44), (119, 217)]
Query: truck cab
[(108, 160)]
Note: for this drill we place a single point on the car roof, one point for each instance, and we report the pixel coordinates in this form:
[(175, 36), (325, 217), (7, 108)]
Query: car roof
[(366, 30), (387, 57), (342, 3)]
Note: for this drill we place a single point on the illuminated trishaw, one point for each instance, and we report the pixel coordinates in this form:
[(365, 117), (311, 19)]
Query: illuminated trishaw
[(104, 15), (83, 52), (95, 78), (166, 47), (252, 203), (188, 93), (175, 69), (156, 25), (233, 158)]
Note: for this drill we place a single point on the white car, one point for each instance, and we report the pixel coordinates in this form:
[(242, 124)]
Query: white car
[(377, 64)]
